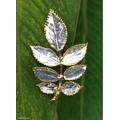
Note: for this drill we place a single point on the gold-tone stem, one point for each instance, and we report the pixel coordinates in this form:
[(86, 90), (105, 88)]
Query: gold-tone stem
[(55, 97)]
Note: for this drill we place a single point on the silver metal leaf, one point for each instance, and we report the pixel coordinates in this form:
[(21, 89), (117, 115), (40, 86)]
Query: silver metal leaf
[(74, 54), (48, 88), (70, 88), (55, 31), (45, 56), (46, 74), (74, 72)]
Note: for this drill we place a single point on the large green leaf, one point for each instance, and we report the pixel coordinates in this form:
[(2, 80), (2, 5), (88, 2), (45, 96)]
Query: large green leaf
[(87, 105), (84, 23)]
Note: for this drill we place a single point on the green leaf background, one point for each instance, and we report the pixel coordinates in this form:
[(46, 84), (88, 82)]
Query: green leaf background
[(83, 19)]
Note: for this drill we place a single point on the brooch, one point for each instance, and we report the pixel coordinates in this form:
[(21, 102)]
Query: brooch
[(53, 82)]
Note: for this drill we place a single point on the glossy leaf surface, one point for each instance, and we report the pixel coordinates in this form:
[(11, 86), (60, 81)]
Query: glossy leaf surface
[(55, 31), (74, 72), (45, 56), (70, 88), (46, 74), (74, 54), (48, 88)]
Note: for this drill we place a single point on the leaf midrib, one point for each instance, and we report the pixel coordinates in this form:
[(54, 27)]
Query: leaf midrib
[(76, 23)]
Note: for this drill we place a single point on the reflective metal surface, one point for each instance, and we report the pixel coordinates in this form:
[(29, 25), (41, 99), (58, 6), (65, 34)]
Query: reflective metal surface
[(48, 88), (55, 31), (74, 72), (70, 88), (74, 54), (46, 74), (56, 34), (45, 56)]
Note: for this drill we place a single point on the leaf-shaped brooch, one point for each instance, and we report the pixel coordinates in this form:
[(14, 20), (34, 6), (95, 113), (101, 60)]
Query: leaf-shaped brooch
[(52, 82)]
